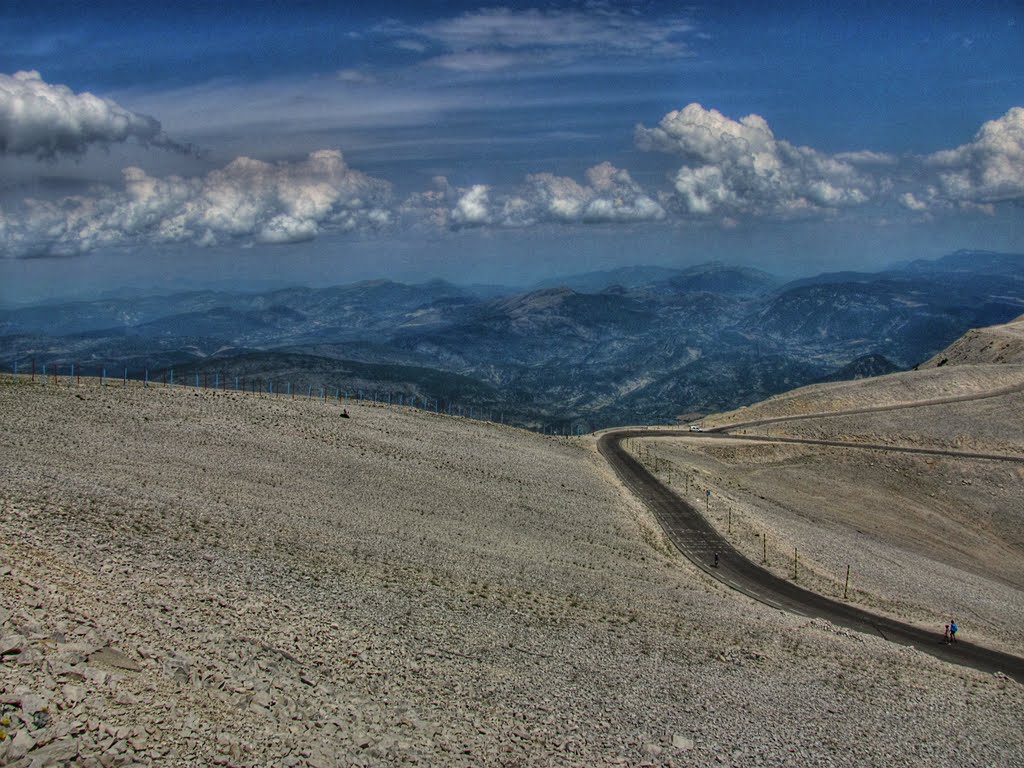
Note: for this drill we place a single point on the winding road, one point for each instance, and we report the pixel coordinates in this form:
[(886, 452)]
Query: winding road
[(698, 540)]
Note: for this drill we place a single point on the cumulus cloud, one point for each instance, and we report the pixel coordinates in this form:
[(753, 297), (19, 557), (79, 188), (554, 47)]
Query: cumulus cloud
[(910, 201), (740, 166), (248, 199), (37, 118), (610, 195), (989, 169), (473, 207)]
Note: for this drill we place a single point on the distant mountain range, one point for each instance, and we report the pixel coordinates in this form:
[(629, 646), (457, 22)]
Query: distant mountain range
[(632, 345)]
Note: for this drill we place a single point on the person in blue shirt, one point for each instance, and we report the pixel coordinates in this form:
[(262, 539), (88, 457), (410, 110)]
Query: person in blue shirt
[(952, 631)]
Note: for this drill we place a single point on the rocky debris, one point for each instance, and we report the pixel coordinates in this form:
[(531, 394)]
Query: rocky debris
[(112, 657), (12, 645), (167, 603)]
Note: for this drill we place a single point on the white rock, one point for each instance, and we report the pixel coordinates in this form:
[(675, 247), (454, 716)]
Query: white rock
[(12, 644), (682, 742), (22, 743)]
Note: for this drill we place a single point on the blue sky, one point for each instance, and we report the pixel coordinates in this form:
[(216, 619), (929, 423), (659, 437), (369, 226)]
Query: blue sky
[(252, 143)]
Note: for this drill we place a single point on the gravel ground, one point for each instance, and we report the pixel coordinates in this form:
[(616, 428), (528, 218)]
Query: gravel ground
[(926, 538), (204, 578), (992, 425), (994, 344), (894, 389)]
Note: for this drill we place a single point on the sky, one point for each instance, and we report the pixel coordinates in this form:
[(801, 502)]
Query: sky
[(179, 145)]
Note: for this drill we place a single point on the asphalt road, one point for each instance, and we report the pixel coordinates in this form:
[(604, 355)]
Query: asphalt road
[(694, 536)]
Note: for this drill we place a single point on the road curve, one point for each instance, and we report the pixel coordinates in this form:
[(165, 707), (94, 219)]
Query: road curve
[(694, 536)]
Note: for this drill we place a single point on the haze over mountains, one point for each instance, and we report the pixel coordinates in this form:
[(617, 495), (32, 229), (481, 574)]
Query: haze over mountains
[(643, 344)]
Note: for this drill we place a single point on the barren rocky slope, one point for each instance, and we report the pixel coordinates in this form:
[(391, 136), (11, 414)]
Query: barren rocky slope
[(926, 537), (195, 578), (994, 344), (896, 389)]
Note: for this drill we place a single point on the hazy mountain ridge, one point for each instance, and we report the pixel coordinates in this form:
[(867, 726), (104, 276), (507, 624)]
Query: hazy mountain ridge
[(644, 344)]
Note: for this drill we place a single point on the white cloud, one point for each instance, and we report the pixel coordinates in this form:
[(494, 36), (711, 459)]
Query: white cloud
[(909, 201), (268, 203), (867, 157), (491, 39), (609, 29), (481, 61), (473, 207), (740, 167), (989, 169), (611, 195), (356, 77), (411, 45), (37, 118)]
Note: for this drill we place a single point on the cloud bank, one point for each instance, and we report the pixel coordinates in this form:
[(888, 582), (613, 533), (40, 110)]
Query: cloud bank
[(611, 195), (989, 169), (247, 199), (37, 118), (723, 168), (734, 168), (740, 167)]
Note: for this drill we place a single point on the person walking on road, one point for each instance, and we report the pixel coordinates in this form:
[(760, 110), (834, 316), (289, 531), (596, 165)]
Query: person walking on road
[(952, 631), (945, 635), (716, 559)]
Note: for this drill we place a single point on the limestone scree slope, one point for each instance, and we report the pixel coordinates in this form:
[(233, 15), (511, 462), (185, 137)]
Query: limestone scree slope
[(201, 578)]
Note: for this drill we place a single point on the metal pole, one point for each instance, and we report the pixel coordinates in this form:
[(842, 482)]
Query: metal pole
[(796, 573), (846, 586)]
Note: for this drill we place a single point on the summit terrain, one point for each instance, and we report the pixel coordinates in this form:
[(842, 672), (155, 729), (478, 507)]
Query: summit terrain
[(210, 577)]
